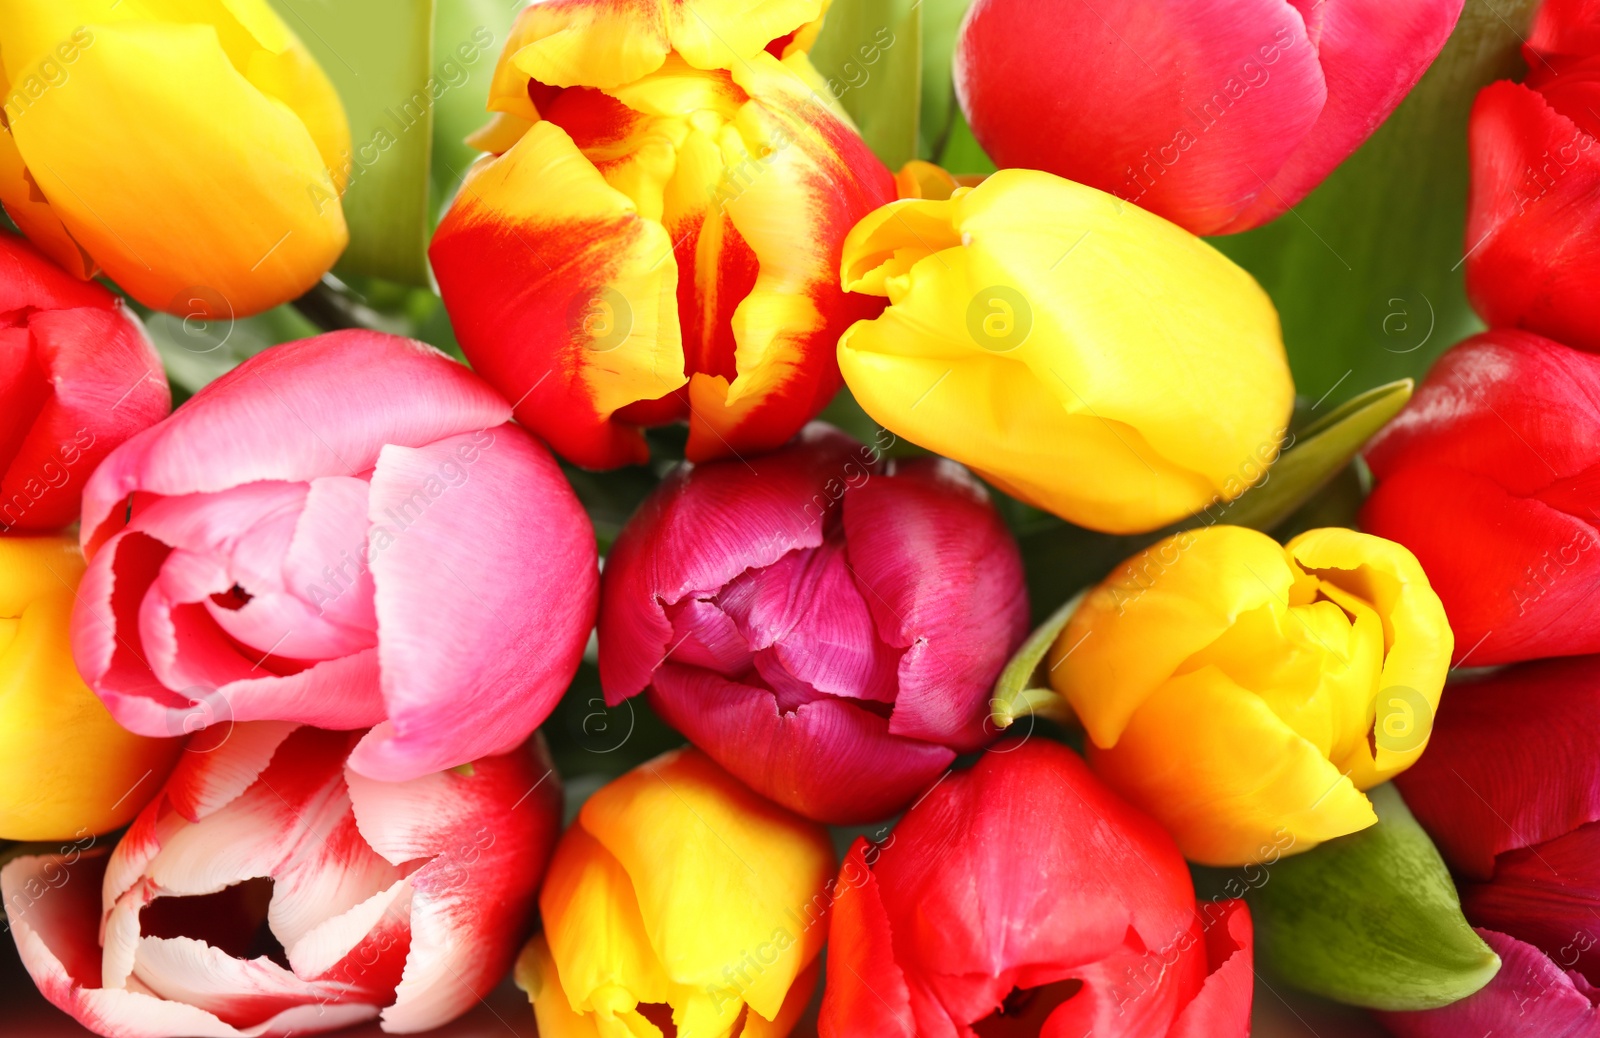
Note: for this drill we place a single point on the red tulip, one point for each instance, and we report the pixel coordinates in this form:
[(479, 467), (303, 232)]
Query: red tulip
[(77, 377), (1510, 791), (825, 625), (347, 532), (1216, 114), (1533, 228), (270, 890), (1488, 477), (1023, 897)]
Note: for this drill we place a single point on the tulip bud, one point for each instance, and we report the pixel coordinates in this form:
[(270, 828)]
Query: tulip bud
[(1531, 259), (936, 931), (1245, 693), (1510, 792), (347, 532), (665, 247), (67, 769), (271, 890), (826, 625), (1217, 115), (192, 153), (1070, 348), (77, 377), (679, 903), (1486, 477)]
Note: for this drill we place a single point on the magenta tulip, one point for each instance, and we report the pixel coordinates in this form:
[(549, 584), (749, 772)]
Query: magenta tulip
[(825, 624), (1510, 791), (343, 532), (269, 890), (78, 376), (1216, 114)]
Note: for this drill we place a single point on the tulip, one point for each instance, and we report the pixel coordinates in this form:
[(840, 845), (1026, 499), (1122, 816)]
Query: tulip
[(344, 532), (1485, 476), (77, 377), (67, 769), (193, 153), (1531, 261), (1217, 115), (665, 247), (1238, 690), (1510, 792), (937, 932), (270, 890), (1068, 347), (679, 903), (825, 624)]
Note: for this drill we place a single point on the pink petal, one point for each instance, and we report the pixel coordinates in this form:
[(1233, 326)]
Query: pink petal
[(1372, 53), (699, 530), (487, 579), (1545, 895), (1510, 763), (488, 836), (830, 759), (942, 575), (1529, 998), (317, 407)]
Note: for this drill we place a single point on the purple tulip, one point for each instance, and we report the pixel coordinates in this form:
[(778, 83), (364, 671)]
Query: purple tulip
[(824, 623)]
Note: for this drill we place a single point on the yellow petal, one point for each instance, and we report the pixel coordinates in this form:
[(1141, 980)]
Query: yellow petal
[(1228, 779), (66, 768), (536, 974), (1154, 612), (1417, 640), (174, 171), (1129, 329), (724, 878)]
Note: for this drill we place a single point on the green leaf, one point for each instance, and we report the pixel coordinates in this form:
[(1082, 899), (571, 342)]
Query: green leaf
[(1023, 688), (1366, 271), (962, 153), (941, 20), (379, 55), (1318, 454), (870, 53), (1371, 919)]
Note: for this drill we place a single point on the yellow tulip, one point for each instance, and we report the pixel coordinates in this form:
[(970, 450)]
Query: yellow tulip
[(679, 895), (1080, 353), (192, 150), (66, 768), (1244, 694)]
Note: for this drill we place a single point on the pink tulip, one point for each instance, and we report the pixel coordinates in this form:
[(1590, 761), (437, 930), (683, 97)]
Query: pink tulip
[(77, 377), (1216, 114), (826, 625), (271, 890), (343, 532)]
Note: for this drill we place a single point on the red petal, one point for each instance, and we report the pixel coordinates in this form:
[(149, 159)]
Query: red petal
[(1511, 762), (1222, 1009), (866, 993), (1548, 896)]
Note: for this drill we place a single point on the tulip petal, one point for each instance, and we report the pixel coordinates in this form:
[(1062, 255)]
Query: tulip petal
[(1499, 776), (275, 412), (682, 544), (864, 775), (1212, 762), (1538, 892), (266, 239), (1371, 54), (926, 529), (1223, 1005), (1530, 996), (723, 839), (593, 250), (477, 615), (866, 991)]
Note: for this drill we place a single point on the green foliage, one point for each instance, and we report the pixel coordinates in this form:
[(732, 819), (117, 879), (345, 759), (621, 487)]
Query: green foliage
[(870, 53)]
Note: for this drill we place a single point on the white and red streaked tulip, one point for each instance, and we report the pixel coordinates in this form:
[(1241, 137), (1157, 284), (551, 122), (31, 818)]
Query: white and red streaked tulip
[(347, 532), (270, 890), (825, 625), (1216, 115), (638, 251), (77, 377)]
